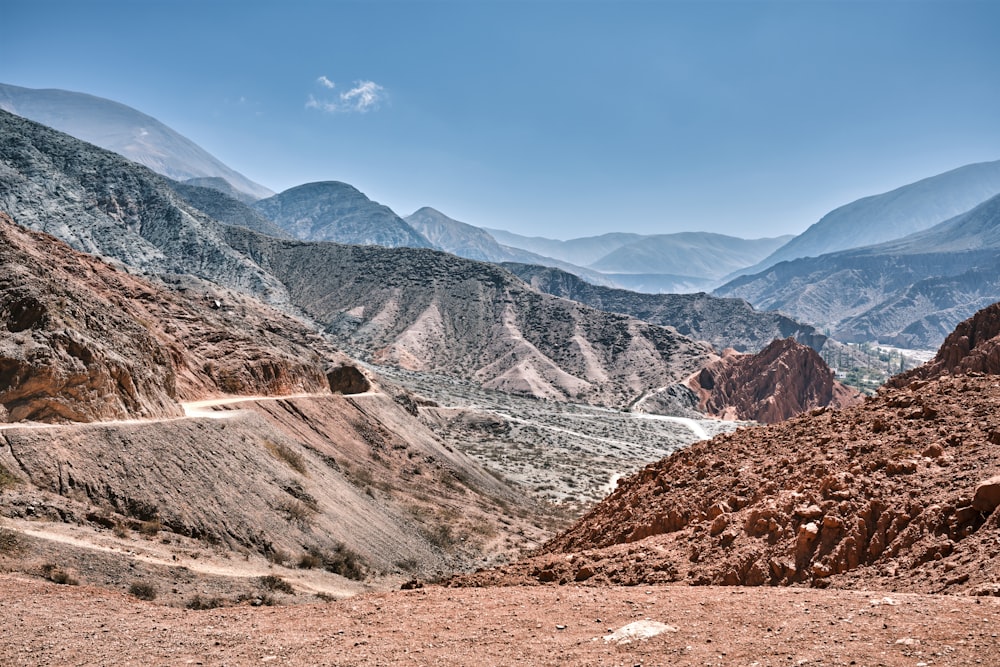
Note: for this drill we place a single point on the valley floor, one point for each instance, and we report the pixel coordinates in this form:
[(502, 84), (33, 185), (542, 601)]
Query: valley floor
[(48, 624)]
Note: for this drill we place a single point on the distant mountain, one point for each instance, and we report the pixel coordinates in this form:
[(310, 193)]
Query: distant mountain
[(892, 215), (582, 251), (472, 242), (101, 203), (335, 211), (909, 292), (217, 203), (125, 131), (696, 254), (725, 323), (220, 184), (428, 310), (654, 263)]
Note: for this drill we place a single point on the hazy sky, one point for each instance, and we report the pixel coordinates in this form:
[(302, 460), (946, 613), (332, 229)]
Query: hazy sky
[(560, 118)]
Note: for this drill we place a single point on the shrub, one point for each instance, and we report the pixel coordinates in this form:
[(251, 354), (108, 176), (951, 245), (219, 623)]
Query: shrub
[(57, 575), (273, 583), (198, 603), (142, 590), (10, 542), (285, 453), (345, 562), (309, 561)]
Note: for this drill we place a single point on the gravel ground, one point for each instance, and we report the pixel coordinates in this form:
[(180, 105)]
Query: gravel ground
[(48, 624)]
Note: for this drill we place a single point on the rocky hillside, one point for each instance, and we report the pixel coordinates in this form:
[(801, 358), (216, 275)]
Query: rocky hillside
[(974, 347), (334, 211), (123, 130), (725, 323), (88, 342), (892, 215), (101, 203), (216, 203), (782, 380), (428, 310), (911, 292), (898, 493)]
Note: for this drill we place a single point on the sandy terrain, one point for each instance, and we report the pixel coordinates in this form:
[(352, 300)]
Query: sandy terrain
[(47, 624)]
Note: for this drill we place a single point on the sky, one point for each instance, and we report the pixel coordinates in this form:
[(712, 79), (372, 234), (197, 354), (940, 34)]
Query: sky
[(556, 118)]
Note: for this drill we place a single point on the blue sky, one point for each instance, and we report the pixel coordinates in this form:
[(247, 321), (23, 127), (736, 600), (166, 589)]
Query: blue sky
[(559, 118)]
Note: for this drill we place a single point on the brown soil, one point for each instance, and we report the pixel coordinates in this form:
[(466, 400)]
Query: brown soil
[(47, 624)]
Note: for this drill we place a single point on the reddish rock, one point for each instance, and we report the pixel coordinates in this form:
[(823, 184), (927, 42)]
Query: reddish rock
[(987, 495), (783, 380)]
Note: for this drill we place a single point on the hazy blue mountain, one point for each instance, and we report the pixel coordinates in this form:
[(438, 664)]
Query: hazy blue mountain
[(101, 203), (217, 204), (722, 322), (335, 211), (582, 251), (220, 184), (911, 292), (125, 131), (472, 242), (892, 215), (696, 254)]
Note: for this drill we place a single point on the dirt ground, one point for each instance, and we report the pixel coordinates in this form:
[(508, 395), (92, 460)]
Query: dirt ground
[(49, 624)]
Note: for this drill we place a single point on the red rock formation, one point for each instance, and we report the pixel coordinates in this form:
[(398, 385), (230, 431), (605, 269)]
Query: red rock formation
[(82, 341), (782, 380), (898, 493), (973, 347)]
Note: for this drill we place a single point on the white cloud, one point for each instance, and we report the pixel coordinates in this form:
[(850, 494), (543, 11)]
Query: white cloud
[(365, 96)]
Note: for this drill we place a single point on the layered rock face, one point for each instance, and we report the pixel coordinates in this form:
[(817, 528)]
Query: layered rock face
[(974, 347), (67, 353), (783, 380), (84, 341)]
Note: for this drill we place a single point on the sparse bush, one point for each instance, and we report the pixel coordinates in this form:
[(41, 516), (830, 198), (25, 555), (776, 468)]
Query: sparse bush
[(325, 597), (10, 542), (273, 583), (150, 528), (256, 600), (297, 511), (120, 530), (309, 561), (344, 562), (142, 590), (283, 452), (278, 556), (7, 480), (198, 603), (57, 575)]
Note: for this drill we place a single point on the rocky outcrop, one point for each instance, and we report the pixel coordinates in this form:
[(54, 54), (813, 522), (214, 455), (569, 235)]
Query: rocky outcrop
[(898, 493), (783, 380), (335, 211), (348, 379), (67, 354), (974, 347), (725, 323), (84, 341)]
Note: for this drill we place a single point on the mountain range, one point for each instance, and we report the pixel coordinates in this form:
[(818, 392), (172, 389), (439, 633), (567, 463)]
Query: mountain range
[(123, 130), (909, 292)]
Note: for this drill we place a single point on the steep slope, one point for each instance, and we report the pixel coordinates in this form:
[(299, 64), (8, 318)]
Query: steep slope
[(695, 254), (908, 292), (67, 354), (471, 242), (896, 494), (427, 310), (88, 342), (725, 323), (782, 380), (973, 347), (286, 469), (125, 131), (99, 202), (218, 205), (334, 211), (892, 215)]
